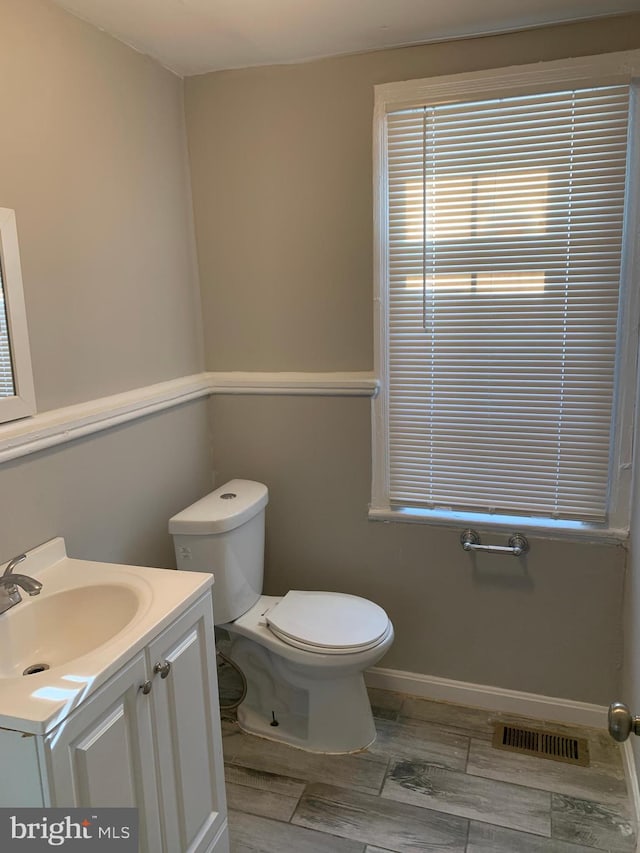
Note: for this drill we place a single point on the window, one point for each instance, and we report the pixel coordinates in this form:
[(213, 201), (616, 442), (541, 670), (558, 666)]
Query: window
[(16, 383), (505, 301)]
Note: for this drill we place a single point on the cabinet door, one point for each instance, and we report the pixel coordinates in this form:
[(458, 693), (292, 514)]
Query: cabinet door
[(189, 744), (102, 755)]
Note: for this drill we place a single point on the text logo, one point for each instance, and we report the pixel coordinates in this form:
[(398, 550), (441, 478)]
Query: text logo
[(102, 829)]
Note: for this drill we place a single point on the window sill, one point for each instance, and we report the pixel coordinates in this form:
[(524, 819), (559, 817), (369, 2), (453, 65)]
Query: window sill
[(575, 531)]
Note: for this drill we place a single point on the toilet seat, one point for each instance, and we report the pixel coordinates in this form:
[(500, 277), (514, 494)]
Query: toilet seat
[(328, 622)]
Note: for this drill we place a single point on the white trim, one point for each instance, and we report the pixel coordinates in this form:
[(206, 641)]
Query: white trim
[(628, 323), (380, 408), (62, 425), (23, 403), (307, 384), (600, 69), (489, 698), (583, 533), (631, 778), (66, 424)]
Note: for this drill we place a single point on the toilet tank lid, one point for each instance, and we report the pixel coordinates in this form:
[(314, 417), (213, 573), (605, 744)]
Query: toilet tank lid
[(228, 507)]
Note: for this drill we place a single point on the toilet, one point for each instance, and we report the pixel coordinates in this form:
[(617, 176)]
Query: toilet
[(303, 654)]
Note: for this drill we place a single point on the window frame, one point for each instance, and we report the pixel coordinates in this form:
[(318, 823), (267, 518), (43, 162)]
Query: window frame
[(22, 404), (603, 69)]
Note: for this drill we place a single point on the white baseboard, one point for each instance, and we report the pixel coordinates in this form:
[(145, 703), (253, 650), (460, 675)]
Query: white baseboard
[(489, 698), (633, 789)]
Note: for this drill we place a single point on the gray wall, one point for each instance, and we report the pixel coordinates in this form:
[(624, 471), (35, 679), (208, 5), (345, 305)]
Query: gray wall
[(546, 624), (281, 175), (93, 159), (281, 161), (111, 494)]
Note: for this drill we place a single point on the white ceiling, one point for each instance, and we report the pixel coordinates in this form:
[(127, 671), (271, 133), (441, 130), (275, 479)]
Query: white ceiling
[(195, 36)]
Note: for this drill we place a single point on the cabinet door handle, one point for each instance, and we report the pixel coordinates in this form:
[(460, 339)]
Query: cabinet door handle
[(146, 687), (162, 668)]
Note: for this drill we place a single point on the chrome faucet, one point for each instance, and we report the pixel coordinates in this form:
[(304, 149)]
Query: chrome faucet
[(9, 583)]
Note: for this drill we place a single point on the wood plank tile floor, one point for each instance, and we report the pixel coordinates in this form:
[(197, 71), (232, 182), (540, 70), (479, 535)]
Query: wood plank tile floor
[(431, 782)]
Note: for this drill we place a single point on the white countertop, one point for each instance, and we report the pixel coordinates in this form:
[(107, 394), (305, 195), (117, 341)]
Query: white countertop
[(37, 703)]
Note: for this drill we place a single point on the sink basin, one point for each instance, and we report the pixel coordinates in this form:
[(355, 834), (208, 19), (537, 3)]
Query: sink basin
[(88, 621), (49, 631)]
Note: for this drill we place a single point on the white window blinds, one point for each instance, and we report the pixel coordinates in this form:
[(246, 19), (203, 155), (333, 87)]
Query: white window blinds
[(7, 388), (504, 236)]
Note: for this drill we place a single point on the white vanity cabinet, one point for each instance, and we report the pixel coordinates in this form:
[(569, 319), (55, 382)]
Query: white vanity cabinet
[(187, 732), (148, 738), (104, 753)]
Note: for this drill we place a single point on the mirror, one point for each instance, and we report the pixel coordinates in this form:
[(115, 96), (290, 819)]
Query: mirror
[(17, 399)]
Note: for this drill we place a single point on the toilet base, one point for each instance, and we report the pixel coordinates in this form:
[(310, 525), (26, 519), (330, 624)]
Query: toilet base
[(287, 731), (316, 711)]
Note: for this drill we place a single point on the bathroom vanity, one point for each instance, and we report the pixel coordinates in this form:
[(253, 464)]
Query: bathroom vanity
[(127, 712)]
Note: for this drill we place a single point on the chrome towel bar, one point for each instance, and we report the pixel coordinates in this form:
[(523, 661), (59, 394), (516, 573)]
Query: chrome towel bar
[(518, 545)]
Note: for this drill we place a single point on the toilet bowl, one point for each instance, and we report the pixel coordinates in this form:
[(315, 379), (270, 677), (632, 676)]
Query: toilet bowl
[(303, 654), (314, 697)]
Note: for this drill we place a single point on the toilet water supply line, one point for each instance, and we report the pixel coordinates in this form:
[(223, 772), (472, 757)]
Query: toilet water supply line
[(233, 705)]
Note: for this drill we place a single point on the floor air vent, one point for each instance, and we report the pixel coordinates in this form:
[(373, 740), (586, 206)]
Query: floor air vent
[(543, 744)]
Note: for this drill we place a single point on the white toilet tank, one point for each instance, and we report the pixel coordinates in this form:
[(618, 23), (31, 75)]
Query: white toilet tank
[(223, 533)]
